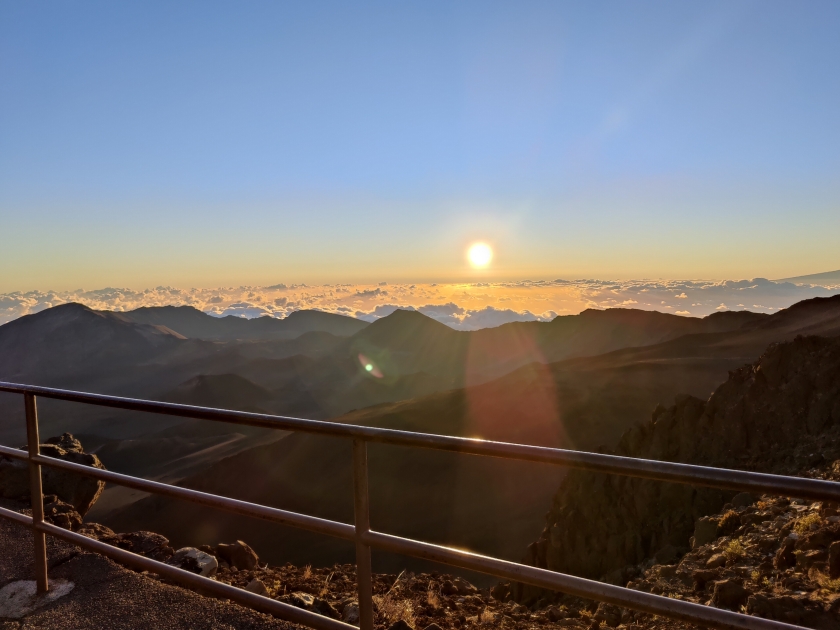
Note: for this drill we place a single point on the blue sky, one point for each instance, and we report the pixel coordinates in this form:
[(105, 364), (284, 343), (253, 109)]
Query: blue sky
[(210, 143)]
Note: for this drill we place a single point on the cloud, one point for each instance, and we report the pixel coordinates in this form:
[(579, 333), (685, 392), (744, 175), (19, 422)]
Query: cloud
[(461, 306), (371, 292), (450, 314), (244, 309)]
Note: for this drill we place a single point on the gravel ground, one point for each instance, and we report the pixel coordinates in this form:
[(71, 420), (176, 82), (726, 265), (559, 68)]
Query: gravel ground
[(107, 595)]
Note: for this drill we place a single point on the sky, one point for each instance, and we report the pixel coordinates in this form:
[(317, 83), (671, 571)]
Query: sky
[(206, 144)]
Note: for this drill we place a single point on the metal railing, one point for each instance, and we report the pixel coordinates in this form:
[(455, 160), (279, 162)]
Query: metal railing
[(360, 532)]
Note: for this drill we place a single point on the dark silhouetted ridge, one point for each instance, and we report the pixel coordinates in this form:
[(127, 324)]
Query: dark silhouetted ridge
[(194, 324)]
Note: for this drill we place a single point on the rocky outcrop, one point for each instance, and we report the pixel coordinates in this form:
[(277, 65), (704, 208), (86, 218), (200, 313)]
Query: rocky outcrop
[(781, 414), (775, 564), (79, 491)]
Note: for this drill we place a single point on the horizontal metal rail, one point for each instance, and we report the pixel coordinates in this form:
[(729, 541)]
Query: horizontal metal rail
[(365, 539), (723, 478)]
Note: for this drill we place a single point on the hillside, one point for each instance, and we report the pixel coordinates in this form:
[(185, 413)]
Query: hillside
[(582, 402), (71, 339), (578, 403), (779, 414)]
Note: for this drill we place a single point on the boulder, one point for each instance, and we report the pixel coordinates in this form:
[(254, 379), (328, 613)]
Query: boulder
[(609, 614), (142, 543), (350, 613), (79, 491), (784, 608), (554, 614), (464, 587), (238, 554), (500, 591), (61, 514), (302, 600), (195, 561), (400, 625), (458, 586), (717, 560), (258, 587), (702, 577), (729, 594), (96, 531), (323, 607), (807, 559)]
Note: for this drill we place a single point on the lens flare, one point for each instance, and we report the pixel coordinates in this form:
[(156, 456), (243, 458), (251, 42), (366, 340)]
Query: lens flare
[(480, 255), (369, 366)]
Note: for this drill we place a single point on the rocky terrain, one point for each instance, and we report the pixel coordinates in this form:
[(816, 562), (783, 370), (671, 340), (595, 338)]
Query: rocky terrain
[(780, 414), (80, 492), (771, 557), (777, 558)]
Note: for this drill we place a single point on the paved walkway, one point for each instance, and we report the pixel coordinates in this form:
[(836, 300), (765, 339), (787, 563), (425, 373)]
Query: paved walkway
[(106, 595)]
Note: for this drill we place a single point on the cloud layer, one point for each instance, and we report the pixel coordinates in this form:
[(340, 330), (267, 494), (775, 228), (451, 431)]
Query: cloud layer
[(461, 306)]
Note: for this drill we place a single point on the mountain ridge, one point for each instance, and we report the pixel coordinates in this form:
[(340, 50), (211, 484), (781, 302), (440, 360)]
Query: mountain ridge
[(195, 324)]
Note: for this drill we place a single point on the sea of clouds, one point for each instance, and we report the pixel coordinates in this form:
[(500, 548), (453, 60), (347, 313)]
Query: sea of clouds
[(461, 306)]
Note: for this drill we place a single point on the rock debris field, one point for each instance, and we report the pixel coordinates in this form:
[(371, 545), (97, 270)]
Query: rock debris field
[(770, 557)]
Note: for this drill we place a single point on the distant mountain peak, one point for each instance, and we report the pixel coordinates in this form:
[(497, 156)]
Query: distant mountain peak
[(408, 315), (408, 320)]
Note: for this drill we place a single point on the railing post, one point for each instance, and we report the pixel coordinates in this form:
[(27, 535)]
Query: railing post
[(364, 578), (36, 493)]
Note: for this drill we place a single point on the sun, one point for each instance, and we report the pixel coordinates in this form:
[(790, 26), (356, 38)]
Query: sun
[(480, 255)]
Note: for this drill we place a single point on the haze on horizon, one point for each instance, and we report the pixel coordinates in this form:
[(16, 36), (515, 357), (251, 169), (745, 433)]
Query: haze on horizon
[(208, 145)]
